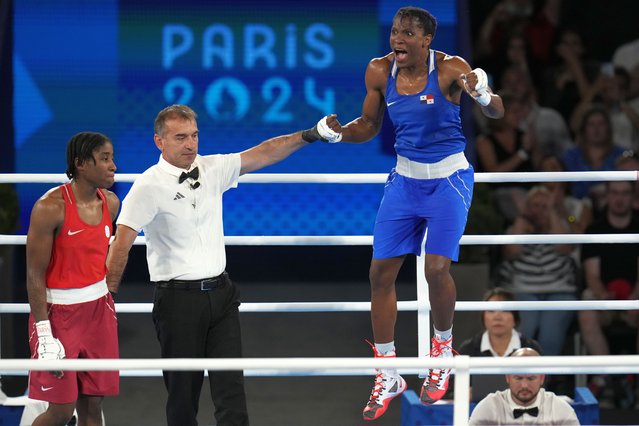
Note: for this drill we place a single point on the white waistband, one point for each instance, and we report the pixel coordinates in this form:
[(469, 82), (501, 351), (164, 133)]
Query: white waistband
[(69, 296), (440, 169)]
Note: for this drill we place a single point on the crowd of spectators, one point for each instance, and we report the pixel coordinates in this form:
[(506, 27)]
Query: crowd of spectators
[(571, 105)]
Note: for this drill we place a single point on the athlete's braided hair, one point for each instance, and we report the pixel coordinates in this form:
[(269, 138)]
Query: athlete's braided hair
[(80, 147), (424, 17)]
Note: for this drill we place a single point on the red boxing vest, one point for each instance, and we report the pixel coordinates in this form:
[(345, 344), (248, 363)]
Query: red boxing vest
[(78, 257)]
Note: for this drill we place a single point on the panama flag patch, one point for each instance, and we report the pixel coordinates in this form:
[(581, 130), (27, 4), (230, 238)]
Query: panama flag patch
[(427, 99)]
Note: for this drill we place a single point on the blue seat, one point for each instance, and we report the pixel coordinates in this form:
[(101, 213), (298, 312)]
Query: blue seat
[(10, 415), (586, 406)]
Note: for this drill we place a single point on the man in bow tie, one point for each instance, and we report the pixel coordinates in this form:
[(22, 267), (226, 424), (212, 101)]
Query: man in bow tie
[(525, 402), (178, 204)]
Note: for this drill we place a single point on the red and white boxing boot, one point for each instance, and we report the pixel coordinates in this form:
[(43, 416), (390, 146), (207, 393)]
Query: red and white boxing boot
[(388, 385), (436, 383)]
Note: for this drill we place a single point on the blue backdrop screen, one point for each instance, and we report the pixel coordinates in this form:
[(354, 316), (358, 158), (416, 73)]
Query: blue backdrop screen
[(251, 71)]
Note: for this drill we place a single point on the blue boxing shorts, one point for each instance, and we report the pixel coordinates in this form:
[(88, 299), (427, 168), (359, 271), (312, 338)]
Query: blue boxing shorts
[(410, 206)]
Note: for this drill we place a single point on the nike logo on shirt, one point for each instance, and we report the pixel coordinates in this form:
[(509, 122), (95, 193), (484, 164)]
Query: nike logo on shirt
[(45, 389), (391, 103), (74, 232)]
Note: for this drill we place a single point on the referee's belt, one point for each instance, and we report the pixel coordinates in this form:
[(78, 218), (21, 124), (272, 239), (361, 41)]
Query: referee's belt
[(204, 284)]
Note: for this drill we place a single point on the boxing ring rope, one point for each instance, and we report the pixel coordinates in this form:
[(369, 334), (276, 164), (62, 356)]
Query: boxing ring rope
[(367, 240), (404, 306), (355, 178), (463, 365)]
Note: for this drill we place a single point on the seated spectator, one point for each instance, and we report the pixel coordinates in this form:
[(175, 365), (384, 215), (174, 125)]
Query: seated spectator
[(611, 90), (514, 54), (595, 151), (541, 31), (519, 31), (507, 17), (524, 402), (541, 272), (505, 148), (499, 339), (627, 55), (633, 98), (578, 213), (610, 272), (551, 131), (567, 81), (629, 161)]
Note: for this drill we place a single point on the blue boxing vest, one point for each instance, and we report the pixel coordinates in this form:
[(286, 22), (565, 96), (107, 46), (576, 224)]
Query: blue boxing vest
[(427, 125)]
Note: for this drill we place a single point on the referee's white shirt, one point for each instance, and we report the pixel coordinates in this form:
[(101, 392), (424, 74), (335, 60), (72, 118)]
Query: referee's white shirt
[(497, 409), (182, 225)]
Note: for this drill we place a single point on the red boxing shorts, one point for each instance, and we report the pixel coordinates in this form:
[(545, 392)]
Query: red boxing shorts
[(86, 330)]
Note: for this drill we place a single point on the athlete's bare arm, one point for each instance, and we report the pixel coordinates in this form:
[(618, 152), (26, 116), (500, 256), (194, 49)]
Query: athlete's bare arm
[(47, 217), (368, 125), (119, 255), (270, 151), (456, 76), (113, 203)]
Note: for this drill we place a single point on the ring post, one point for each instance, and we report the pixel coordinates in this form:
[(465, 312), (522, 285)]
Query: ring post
[(423, 313), (462, 390)]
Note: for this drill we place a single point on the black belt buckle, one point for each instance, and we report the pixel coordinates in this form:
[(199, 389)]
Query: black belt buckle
[(209, 284)]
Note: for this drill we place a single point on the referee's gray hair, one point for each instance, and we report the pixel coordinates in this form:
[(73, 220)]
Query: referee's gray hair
[(174, 111)]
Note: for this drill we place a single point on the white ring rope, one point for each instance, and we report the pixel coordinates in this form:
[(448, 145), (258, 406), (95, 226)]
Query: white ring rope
[(356, 177), (367, 240), (405, 306), (477, 365), (611, 364)]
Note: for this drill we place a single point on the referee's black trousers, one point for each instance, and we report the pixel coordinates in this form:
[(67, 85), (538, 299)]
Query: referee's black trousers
[(194, 323)]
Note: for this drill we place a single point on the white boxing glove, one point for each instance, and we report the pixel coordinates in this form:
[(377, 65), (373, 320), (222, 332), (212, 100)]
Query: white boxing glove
[(48, 346), (327, 134), (481, 87)]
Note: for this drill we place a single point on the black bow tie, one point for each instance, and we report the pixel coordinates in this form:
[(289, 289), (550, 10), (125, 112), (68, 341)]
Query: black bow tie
[(193, 174), (518, 412)]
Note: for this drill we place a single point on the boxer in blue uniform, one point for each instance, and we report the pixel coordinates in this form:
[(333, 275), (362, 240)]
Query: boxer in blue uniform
[(430, 188)]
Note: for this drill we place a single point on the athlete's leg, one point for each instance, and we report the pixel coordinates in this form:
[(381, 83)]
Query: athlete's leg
[(89, 410), (383, 274), (388, 384), (397, 232), (442, 293), (56, 415), (447, 215)]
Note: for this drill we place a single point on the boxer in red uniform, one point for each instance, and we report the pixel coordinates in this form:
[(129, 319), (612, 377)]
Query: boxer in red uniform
[(72, 311)]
